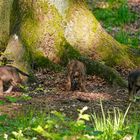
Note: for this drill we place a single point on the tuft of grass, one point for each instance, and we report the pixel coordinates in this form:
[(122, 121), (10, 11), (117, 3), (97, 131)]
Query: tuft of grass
[(115, 16), (124, 38), (124, 15), (56, 126), (111, 125)]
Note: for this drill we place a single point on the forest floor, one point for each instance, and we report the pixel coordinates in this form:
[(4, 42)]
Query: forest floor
[(49, 92)]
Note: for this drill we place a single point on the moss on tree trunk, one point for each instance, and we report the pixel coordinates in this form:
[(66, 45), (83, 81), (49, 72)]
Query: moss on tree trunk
[(45, 27), (5, 9), (41, 30), (85, 33), (104, 71), (18, 53)]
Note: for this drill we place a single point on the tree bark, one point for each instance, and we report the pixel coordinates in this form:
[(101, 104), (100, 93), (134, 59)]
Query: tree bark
[(85, 33), (17, 52), (5, 9)]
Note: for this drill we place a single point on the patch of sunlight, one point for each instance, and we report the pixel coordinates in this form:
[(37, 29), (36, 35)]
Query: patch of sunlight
[(102, 4), (61, 5)]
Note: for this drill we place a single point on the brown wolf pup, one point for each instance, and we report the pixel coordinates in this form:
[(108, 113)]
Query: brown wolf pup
[(133, 83), (76, 75), (10, 74)]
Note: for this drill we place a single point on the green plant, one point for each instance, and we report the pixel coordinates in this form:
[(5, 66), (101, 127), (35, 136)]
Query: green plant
[(59, 127), (115, 16), (122, 37), (136, 131), (111, 126), (20, 128), (124, 15), (2, 102), (56, 126), (11, 99), (134, 128)]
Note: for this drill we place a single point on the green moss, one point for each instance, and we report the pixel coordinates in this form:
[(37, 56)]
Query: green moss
[(112, 58), (108, 73), (15, 17), (69, 53), (30, 33), (36, 27), (43, 62)]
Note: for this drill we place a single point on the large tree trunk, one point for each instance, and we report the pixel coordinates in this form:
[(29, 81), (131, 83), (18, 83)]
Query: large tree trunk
[(54, 30), (86, 35), (5, 9), (45, 26)]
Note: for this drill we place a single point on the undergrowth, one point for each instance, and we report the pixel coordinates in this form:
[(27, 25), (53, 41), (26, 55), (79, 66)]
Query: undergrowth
[(34, 125)]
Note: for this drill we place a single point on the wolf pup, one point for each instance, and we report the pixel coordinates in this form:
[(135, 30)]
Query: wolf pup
[(133, 83), (76, 73), (10, 74)]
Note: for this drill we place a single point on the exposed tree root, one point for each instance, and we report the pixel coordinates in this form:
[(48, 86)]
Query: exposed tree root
[(106, 72)]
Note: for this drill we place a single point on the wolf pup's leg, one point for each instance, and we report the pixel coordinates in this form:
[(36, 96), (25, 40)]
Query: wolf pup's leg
[(9, 89), (1, 87)]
